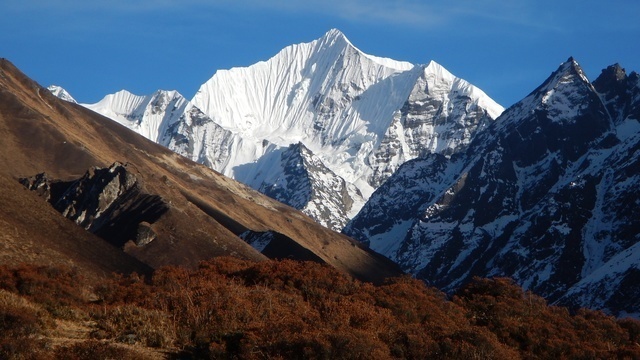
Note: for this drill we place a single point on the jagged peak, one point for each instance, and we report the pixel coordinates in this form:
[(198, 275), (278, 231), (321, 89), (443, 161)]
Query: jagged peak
[(612, 75), (335, 37), (120, 99), (438, 70), (569, 69), (55, 88), (563, 94), (297, 146), (128, 100), (169, 94), (434, 72), (299, 149), (122, 94), (618, 70)]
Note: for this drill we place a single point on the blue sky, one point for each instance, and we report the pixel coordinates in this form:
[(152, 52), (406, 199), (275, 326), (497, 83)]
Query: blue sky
[(507, 48)]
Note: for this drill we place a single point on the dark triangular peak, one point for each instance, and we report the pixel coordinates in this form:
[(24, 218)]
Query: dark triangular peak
[(307, 183), (621, 93), (568, 70), (568, 79), (564, 114), (545, 195)]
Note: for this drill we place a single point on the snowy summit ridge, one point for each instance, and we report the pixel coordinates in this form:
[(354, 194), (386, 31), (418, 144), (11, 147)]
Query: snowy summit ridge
[(360, 116)]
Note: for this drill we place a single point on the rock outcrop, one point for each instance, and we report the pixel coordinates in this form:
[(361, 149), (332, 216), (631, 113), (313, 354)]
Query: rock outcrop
[(109, 202)]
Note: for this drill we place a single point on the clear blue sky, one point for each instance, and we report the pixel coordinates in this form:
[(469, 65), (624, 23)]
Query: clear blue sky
[(507, 48)]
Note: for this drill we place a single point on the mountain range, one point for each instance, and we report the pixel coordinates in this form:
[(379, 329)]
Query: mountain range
[(425, 168), (324, 111)]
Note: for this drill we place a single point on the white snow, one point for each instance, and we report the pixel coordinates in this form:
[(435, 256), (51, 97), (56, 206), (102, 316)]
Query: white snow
[(327, 94), (150, 116), (389, 242), (61, 93), (628, 128)]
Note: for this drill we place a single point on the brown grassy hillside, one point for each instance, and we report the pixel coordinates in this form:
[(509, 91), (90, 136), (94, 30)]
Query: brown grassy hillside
[(207, 211)]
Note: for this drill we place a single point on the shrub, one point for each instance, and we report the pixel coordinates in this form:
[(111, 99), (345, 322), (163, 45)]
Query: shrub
[(58, 289), (229, 308), (134, 325), (22, 326), (97, 350)]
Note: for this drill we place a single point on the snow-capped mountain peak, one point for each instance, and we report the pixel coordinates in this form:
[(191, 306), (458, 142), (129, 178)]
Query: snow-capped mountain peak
[(568, 73), (335, 38), (121, 104), (61, 93), (436, 73), (358, 115)]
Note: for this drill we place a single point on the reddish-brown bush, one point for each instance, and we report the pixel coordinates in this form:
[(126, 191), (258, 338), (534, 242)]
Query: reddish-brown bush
[(523, 321), (230, 308), (93, 349)]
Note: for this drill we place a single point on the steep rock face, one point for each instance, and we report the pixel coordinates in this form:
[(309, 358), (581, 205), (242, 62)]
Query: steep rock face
[(390, 212), (621, 93), (195, 136), (613, 286), (302, 181), (108, 202), (545, 195), (441, 115), (360, 115)]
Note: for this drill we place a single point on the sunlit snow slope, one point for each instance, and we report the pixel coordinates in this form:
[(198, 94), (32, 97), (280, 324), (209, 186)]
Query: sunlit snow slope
[(61, 93)]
